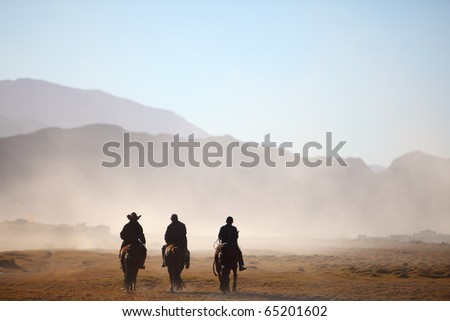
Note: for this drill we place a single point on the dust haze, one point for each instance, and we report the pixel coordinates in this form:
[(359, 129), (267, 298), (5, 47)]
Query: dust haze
[(54, 176)]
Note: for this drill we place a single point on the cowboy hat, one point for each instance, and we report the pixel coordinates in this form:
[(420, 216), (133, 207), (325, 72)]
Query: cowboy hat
[(133, 216)]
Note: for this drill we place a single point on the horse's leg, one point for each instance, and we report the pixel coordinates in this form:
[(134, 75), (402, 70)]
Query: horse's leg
[(171, 277), (135, 278), (222, 279), (126, 278), (234, 278), (172, 288), (130, 277), (178, 282), (181, 268), (177, 279), (227, 285), (225, 280)]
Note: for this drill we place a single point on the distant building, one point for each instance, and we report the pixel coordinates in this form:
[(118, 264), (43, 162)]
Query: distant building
[(426, 236), (429, 236)]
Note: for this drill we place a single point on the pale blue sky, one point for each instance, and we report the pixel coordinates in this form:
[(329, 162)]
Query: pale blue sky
[(376, 74)]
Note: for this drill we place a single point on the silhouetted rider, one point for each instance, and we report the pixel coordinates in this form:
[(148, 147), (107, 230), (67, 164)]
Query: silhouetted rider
[(176, 235), (229, 234), (132, 233)]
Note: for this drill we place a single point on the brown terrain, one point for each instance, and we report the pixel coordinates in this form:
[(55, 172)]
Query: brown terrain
[(389, 271)]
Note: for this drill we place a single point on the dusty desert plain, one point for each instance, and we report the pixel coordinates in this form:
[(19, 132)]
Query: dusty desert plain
[(385, 271)]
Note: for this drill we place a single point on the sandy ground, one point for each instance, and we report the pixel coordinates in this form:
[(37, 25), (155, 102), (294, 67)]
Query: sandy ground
[(387, 272)]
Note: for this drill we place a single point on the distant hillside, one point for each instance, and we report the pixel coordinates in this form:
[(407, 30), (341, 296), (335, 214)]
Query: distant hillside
[(60, 106), (54, 176), (21, 234)]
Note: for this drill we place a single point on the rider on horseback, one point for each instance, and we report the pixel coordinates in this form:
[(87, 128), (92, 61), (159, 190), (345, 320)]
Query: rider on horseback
[(176, 235), (132, 233), (229, 234)]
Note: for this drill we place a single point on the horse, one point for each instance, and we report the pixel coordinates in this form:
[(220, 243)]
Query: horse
[(175, 258), (226, 260), (130, 256)]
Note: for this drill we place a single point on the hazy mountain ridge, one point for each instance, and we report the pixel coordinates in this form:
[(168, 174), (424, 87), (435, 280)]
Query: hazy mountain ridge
[(61, 106), (11, 127), (54, 175)]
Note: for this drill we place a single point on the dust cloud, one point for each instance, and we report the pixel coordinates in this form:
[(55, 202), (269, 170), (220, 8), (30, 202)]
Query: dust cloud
[(54, 177)]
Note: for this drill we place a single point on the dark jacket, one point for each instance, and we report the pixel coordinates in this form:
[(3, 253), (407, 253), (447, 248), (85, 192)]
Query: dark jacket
[(228, 234), (176, 234), (132, 233)]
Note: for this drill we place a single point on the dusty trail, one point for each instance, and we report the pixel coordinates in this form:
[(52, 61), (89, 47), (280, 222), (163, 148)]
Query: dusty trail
[(394, 272)]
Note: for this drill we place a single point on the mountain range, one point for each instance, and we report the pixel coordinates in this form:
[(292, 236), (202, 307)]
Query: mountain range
[(54, 176), (31, 104)]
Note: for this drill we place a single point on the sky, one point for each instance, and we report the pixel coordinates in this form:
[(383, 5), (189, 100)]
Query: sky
[(376, 74)]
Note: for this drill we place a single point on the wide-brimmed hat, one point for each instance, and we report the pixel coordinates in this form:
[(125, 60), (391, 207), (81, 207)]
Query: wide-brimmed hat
[(133, 216)]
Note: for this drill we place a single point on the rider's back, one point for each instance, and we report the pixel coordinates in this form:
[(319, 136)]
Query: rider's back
[(176, 234), (132, 232), (228, 234)]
